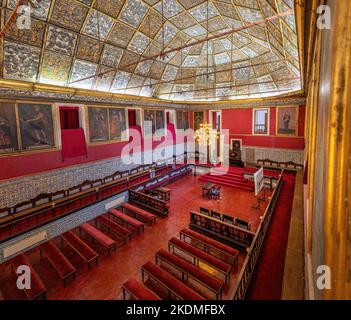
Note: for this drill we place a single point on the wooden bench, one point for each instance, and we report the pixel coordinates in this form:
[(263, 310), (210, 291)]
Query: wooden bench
[(125, 219), (99, 236), (80, 247), (138, 290), (140, 213), (199, 255), (209, 243), (149, 203), (189, 270), (172, 284), (38, 288), (58, 261), (120, 231)]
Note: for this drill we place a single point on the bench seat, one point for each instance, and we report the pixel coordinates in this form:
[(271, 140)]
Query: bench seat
[(38, 288), (172, 284), (213, 284), (199, 255), (138, 290), (140, 213), (99, 236), (57, 259), (120, 231), (208, 243), (80, 247), (125, 219)]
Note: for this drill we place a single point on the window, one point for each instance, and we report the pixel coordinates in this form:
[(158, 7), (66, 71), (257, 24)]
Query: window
[(260, 125)]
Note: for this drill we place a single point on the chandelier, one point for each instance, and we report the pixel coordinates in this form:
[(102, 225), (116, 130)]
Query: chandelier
[(206, 135)]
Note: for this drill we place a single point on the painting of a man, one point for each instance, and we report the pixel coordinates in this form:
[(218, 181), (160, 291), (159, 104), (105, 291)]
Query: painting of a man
[(149, 116), (198, 119), (160, 120), (98, 125), (287, 120), (36, 125), (8, 127), (117, 123)]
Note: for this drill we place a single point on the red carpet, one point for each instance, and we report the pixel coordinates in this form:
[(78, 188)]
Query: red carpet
[(231, 178), (266, 283)]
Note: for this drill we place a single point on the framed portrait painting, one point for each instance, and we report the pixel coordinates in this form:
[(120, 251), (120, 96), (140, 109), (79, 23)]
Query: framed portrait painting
[(98, 124), (149, 122), (199, 118), (8, 128), (160, 120), (36, 126), (287, 120), (117, 123)]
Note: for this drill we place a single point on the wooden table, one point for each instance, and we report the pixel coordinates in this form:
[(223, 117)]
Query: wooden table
[(207, 188), (164, 193)]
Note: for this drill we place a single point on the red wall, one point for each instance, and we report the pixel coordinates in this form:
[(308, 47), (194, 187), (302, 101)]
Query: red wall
[(27, 164), (19, 165), (239, 123)]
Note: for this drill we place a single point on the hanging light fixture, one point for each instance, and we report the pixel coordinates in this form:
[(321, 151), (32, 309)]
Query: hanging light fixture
[(206, 135)]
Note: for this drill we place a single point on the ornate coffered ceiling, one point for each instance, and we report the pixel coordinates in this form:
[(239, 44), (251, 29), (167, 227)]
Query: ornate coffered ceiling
[(117, 46)]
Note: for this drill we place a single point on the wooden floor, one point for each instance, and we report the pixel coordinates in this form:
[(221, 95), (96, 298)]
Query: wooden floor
[(105, 280)]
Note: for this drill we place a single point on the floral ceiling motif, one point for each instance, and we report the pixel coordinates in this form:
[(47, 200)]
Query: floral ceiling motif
[(118, 46)]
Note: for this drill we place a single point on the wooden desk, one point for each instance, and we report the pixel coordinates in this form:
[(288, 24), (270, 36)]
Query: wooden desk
[(164, 193), (207, 188)]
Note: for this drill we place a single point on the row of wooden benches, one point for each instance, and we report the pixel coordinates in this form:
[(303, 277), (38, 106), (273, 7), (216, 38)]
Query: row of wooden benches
[(202, 249), (127, 215)]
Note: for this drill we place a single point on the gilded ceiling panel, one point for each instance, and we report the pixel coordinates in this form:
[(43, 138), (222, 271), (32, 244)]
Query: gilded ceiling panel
[(111, 7), (89, 49), (82, 74), (55, 67), (69, 14), (111, 56), (152, 24), (61, 40), (129, 61), (119, 45), (98, 25), (104, 81), (121, 34), (40, 11), (133, 12), (33, 36), (20, 61)]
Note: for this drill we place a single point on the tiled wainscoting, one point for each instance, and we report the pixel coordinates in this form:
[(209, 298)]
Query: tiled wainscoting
[(252, 154), (14, 191), (31, 240)]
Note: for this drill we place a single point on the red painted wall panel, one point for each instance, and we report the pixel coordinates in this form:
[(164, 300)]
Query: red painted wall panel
[(239, 123), (20, 165)]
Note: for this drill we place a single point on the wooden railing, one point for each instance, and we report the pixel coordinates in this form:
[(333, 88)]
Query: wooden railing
[(248, 267), (31, 214), (268, 163), (149, 203), (221, 230)]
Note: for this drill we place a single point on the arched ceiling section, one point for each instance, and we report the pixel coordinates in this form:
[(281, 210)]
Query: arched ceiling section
[(117, 46)]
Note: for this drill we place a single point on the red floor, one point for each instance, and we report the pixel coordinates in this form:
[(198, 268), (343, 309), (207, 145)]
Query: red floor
[(104, 281)]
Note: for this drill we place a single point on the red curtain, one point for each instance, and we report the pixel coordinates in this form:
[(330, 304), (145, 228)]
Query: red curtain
[(69, 117), (132, 117), (168, 118), (73, 143)]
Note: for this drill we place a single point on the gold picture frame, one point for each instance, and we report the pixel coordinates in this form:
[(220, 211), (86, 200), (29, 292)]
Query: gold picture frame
[(290, 126)]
